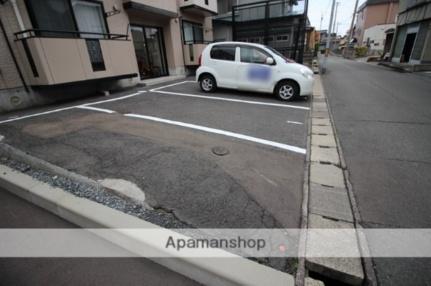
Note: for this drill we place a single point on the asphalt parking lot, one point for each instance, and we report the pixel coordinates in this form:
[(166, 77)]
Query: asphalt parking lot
[(162, 138)]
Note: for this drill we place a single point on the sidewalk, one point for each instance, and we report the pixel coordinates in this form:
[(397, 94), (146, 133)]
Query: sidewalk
[(383, 121), (17, 213)]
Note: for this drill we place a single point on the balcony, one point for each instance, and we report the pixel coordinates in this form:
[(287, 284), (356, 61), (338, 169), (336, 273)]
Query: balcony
[(199, 7), (192, 51), (157, 7), (60, 57)]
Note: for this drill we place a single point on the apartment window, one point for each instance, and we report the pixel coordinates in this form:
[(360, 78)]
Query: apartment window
[(206, 2), (225, 53), (254, 40), (89, 18), (96, 55), (282, 38), (56, 17), (52, 15), (193, 33)]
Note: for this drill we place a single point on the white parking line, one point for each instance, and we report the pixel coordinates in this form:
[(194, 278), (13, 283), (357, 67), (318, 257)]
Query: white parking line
[(36, 114), (70, 107), (96, 109), (115, 99), (221, 132), (294, 122), (158, 90), (169, 85)]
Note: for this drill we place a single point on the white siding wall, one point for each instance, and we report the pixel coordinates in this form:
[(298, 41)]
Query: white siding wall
[(377, 36)]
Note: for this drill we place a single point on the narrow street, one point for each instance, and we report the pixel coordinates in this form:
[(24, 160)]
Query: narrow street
[(383, 120)]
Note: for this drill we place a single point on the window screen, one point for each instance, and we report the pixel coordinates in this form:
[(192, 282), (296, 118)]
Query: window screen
[(89, 18), (226, 53), (193, 33), (96, 55)]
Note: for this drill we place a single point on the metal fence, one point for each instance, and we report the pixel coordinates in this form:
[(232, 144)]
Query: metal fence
[(278, 24)]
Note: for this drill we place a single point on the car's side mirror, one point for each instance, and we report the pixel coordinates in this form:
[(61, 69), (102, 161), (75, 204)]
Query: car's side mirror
[(269, 61)]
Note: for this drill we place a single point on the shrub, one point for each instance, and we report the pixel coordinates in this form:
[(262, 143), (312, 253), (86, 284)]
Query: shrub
[(361, 51)]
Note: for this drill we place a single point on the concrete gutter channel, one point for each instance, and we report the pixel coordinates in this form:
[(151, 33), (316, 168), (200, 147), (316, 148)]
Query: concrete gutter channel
[(86, 213), (331, 203)]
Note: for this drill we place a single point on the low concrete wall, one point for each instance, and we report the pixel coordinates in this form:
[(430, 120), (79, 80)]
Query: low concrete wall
[(18, 98)]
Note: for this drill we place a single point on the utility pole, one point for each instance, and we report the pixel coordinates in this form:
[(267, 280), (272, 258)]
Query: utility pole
[(321, 20), (335, 17), (328, 39), (353, 22)]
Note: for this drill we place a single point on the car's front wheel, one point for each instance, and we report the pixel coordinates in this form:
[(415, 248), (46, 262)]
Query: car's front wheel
[(208, 83), (287, 90)]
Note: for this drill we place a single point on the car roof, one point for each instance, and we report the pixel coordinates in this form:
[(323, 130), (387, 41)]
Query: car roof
[(239, 43)]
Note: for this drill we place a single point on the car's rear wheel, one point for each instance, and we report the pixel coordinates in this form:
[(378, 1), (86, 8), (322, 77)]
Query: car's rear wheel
[(287, 90), (208, 83)]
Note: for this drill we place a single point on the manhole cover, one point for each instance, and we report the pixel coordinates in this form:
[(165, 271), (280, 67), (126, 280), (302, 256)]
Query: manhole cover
[(220, 151)]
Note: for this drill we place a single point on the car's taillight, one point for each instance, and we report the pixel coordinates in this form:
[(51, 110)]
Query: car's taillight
[(200, 60)]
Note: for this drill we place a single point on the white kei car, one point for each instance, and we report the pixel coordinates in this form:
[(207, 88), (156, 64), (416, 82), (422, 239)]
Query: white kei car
[(252, 67)]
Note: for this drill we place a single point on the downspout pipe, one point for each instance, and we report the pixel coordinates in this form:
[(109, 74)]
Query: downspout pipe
[(17, 15)]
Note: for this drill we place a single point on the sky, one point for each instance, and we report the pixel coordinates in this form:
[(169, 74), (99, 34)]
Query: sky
[(317, 8)]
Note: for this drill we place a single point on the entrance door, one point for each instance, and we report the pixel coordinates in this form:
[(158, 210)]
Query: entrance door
[(408, 46), (150, 52)]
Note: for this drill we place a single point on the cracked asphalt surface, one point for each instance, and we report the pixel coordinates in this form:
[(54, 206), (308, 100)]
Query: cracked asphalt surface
[(255, 186), (383, 121)]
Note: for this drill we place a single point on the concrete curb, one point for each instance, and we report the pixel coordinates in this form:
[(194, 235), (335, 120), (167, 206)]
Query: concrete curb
[(88, 214), (329, 197)]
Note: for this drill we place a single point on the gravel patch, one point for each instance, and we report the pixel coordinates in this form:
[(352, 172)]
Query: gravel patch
[(159, 217)]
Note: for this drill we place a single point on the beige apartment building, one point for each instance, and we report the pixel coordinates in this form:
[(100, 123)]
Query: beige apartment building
[(55, 49)]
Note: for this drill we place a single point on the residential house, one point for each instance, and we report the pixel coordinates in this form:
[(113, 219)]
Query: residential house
[(413, 33), (55, 49), (323, 36), (374, 18)]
